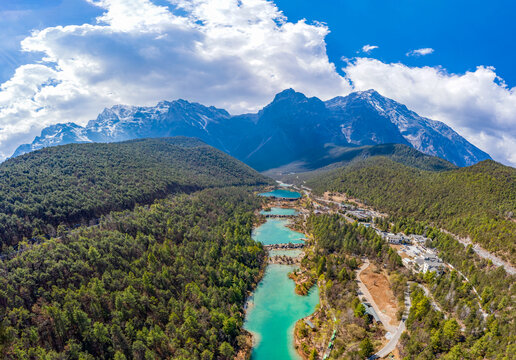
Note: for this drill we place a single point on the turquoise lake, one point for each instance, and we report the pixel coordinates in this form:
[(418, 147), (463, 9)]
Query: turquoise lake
[(274, 231), (279, 211), (273, 311), (282, 193)]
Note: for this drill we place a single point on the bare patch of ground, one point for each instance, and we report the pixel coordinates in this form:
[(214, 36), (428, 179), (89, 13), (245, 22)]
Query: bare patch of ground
[(380, 289), (339, 197), (402, 254)]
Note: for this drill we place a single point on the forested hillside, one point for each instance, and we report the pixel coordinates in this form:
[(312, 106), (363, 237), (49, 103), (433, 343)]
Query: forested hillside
[(77, 183), (343, 156), (399, 153), (477, 201), (167, 281)]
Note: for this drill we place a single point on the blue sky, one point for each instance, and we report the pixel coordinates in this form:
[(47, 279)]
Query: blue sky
[(448, 60), (463, 33), (20, 17)]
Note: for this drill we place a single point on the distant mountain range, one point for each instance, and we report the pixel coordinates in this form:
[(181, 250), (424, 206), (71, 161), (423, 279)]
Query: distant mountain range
[(293, 131)]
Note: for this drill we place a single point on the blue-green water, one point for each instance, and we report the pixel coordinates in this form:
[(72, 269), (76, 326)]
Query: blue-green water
[(273, 311), (282, 193), (274, 231), (279, 211)]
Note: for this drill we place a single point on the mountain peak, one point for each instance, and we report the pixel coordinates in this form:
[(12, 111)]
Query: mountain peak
[(370, 95), (291, 100), (289, 94), (370, 92)]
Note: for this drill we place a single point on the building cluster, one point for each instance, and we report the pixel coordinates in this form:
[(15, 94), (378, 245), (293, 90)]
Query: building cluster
[(429, 263), (421, 259), (395, 239), (413, 252), (420, 239)]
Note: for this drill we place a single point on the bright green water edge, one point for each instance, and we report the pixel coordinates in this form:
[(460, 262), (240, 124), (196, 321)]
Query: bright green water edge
[(281, 193), (279, 211), (273, 311), (274, 231)]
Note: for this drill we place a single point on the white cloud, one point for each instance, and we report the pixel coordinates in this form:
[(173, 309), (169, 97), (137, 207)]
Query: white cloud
[(226, 53), (478, 105), (420, 52), (368, 48)]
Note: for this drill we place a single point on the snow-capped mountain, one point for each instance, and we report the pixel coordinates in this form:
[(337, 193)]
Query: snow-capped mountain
[(58, 134), (368, 118), (292, 128), (166, 119)]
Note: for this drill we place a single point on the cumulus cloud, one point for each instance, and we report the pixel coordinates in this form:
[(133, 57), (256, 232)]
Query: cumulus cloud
[(420, 52), (477, 104), (226, 53), (368, 48)]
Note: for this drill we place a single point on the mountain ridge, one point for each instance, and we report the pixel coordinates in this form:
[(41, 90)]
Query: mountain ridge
[(292, 127), (345, 156)]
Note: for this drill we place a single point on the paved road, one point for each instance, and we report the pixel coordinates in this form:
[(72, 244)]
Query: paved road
[(391, 345), (483, 253)]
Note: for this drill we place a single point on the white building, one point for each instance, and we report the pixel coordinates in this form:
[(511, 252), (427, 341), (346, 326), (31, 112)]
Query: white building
[(396, 238), (429, 263)]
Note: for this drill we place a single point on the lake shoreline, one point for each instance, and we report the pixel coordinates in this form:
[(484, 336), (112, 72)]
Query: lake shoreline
[(274, 307)]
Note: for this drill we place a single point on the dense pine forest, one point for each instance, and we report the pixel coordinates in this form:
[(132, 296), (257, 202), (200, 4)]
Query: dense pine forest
[(399, 153), (77, 183), (462, 332), (477, 201), (344, 156), (158, 282)]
